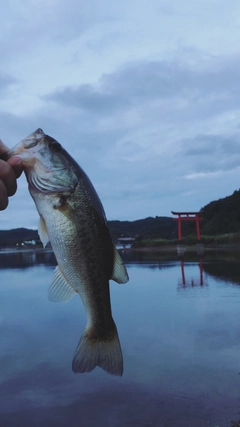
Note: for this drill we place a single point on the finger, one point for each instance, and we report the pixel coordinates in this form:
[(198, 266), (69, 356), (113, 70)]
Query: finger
[(3, 197), (8, 178), (3, 147), (16, 164)]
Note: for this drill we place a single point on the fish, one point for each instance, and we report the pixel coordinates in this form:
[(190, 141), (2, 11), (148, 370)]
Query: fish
[(72, 218)]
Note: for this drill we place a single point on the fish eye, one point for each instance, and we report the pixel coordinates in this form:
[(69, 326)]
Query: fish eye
[(55, 146)]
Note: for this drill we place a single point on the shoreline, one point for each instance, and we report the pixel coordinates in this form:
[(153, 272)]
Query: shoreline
[(188, 248), (164, 248)]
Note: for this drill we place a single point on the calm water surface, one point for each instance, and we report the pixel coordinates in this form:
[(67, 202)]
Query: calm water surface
[(179, 327)]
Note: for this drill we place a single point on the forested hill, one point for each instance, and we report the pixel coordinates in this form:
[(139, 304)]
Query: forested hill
[(219, 217), (17, 236), (222, 216), (160, 226), (163, 227)]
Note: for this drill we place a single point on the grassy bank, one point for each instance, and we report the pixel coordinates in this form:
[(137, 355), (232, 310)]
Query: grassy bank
[(230, 239)]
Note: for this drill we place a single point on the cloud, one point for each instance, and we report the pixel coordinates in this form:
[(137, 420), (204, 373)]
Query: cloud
[(138, 131), (203, 175), (34, 21), (214, 81), (212, 154), (142, 97), (6, 82), (204, 144), (159, 104), (88, 98), (134, 83), (154, 112)]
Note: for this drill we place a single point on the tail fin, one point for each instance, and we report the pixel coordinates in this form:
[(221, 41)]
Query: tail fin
[(92, 352)]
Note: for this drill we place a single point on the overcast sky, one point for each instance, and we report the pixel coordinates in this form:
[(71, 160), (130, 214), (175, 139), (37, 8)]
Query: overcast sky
[(145, 95)]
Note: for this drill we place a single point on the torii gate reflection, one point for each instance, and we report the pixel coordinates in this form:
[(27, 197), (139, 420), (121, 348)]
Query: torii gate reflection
[(192, 282)]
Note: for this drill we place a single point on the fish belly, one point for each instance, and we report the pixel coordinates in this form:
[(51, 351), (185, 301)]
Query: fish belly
[(84, 254)]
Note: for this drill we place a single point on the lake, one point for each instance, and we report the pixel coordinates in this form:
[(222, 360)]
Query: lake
[(179, 327)]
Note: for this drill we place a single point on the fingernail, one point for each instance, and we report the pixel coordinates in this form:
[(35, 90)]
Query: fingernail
[(16, 160)]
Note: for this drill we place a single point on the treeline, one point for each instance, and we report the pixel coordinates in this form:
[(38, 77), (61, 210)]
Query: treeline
[(220, 217), (159, 227), (163, 227), (17, 236)]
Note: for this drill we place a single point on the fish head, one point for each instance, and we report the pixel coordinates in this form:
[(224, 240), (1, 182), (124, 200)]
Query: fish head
[(22, 149), (48, 167)]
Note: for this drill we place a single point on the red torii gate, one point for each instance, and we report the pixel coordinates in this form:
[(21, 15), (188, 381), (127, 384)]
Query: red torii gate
[(188, 216)]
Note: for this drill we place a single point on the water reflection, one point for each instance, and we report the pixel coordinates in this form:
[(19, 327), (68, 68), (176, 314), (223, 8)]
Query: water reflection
[(181, 349), (197, 280), (227, 271), (26, 258)]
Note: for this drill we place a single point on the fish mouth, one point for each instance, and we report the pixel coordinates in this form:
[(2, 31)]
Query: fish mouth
[(20, 149), (33, 139)]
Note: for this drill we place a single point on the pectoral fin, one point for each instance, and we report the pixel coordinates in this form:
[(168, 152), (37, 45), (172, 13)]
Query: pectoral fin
[(119, 273), (42, 231), (68, 211), (60, 290)]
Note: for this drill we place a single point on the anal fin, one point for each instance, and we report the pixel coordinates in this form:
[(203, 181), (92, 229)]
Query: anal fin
[(119, 273), (60, 290)]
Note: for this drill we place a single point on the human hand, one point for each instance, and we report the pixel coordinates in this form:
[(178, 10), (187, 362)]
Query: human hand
[(9, 172)]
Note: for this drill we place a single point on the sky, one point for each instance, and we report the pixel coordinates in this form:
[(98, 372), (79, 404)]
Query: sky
[(144, 94)]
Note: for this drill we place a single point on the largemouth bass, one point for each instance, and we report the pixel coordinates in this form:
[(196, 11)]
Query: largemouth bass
[(72, 218)]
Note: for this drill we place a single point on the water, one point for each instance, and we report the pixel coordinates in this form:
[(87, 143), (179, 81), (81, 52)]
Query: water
[(179, 326)]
